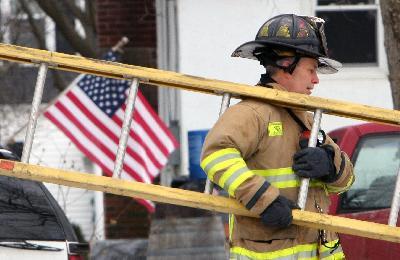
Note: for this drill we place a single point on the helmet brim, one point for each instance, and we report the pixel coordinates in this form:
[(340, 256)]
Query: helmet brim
[(250, 50)]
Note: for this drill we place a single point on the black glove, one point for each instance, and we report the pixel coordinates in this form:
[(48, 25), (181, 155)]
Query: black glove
[(315, 163), (7, 155), (278, 213)]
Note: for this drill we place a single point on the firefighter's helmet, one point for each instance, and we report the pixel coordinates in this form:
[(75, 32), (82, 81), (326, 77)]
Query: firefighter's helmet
[(289, 35)]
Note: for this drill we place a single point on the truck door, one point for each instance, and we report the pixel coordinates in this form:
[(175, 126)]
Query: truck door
[(376, 160)]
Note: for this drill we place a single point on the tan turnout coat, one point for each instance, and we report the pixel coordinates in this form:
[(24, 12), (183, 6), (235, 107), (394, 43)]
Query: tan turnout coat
[(267, 137)]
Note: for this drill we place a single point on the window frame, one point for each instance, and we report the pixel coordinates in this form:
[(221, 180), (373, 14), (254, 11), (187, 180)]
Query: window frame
[(378, 70)]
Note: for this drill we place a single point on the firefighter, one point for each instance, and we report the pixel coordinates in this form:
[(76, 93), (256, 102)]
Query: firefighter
[(256, 152)]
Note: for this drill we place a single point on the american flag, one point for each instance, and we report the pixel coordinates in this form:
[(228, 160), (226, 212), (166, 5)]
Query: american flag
[(91, 113)]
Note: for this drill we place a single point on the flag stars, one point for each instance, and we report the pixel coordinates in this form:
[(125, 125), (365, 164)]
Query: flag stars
[(108, 94)]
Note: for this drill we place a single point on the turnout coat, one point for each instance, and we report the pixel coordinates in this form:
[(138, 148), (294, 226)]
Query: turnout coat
[(254, 142)]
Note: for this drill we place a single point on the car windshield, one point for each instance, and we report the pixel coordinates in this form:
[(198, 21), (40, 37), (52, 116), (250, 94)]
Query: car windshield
[(26, 212), (376, 165)]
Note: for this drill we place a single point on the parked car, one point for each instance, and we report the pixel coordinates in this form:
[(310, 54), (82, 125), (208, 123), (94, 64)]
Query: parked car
[(375, 152), (32, 224)]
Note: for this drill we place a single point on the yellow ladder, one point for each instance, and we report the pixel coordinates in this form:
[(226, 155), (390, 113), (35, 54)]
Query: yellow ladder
[(156, 193)]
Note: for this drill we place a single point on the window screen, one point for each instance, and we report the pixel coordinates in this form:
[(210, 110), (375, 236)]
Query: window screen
[(345, 2), (351, 35)]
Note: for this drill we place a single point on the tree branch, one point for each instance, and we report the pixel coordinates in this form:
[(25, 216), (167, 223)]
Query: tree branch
[(66, 26), (391, 22), (35, 28)]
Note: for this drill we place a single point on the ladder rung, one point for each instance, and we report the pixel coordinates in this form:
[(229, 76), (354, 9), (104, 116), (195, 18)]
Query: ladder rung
[(126, 126), (394, 210), (312, 142), (37, 99), (226, 99)]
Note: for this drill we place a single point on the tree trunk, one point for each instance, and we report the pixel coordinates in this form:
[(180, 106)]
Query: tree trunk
[(390, 10), (64, 23)]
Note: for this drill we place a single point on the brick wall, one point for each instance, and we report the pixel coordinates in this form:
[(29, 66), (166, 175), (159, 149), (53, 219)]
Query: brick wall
[(125, 218), (132, 18), (136, 20)]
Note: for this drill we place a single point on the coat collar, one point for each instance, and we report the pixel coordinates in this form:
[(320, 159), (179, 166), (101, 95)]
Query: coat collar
[(303, 115)]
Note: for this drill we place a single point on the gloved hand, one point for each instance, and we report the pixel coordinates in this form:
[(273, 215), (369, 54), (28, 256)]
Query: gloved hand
[(315, 163), (7, 155), (278, 213)]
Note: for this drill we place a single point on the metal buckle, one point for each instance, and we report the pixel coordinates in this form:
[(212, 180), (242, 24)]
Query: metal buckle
[(322, 237)]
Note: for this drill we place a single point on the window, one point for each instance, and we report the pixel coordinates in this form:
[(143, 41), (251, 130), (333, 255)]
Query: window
[(376, 164), (351, 30)]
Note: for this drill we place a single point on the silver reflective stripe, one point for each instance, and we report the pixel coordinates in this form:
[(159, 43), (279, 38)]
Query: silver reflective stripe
[(279, 178), (234, 176), (327, 253), (220, 159)]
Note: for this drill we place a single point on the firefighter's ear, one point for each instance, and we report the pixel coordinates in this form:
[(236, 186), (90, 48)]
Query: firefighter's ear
[(286, 62)]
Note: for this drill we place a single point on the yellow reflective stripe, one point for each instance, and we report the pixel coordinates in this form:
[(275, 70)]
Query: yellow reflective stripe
[(220, 160), (339, 190), (286, 184), (308, 251), (332, 243), (217, 154), (228, 173), (239, 180), (284, 178), (274, 172), (222, 165), (327, 254)]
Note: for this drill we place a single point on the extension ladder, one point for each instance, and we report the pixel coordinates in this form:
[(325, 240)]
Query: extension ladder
[(47, 59)]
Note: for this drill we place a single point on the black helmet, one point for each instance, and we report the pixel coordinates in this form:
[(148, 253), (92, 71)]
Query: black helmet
[(290, 35)]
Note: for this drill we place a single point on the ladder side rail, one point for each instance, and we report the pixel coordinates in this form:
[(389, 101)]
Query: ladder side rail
[(226, 99), (312, 142), (177, 80), (126, 126), (37, 99), (191, 199), (394, 209)]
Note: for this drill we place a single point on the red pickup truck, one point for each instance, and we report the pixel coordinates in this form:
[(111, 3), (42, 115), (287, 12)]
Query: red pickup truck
[(375, 152)]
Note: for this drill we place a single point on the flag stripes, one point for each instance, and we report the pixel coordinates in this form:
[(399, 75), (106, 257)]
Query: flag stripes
[(97, 133)]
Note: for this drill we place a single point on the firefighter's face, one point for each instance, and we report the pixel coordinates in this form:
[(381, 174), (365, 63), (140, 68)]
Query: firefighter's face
[(304, 77)]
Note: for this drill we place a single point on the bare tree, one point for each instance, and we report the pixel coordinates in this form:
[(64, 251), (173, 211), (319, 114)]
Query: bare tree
[(390, 10), (66, 14)]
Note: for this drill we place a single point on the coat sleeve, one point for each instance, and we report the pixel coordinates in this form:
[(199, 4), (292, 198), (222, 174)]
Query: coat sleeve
[(233, 139), (344, 170)]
